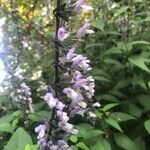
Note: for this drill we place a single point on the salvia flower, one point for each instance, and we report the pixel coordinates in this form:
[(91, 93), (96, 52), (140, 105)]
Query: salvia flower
[(77, 91), (71, 93), (59, 145), (62, 34), (97, 104), (50, 100), (85, 29), (79, 5), (78, 61), (63, 120), (41, 131), (21, 92)]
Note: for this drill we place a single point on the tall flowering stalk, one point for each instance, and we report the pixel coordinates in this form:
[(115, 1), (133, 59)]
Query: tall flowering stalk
[(20, 92), (73, 88)]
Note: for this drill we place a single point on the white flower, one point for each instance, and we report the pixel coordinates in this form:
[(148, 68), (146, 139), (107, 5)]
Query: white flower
[(83, 104), (92, 115), (97, 104)]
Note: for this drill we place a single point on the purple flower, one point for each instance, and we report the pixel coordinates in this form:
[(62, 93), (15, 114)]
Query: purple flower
[(85, 29), (81, 62), (78, 61), (86, 7), (50, 100), (70, 54), (41, 131), (82, 104), (59, 145), (60, 105), (62, 144), (62, 116), (62, 34), (79, 6), (66, 126), (42, 143), (71, 93)]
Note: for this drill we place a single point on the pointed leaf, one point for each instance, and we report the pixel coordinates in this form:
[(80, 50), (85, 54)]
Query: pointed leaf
[(19, 140), (124, 142), (139, 62), (147, 125), (113, 123)]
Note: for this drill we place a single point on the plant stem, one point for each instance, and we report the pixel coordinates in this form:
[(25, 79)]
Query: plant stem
[(57, 47), (56, 80)]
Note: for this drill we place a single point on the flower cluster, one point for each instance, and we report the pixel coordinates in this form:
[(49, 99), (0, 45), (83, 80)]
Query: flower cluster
[(57, 145), (20, 91), (61, 115), (62, 123), (78, 91)]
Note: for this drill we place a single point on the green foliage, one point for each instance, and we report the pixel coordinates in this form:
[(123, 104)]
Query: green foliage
[(101, 144), (147, 125), (19, 140), (120, 55), (124, 142)]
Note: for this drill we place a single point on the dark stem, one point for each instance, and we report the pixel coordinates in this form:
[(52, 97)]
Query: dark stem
[(57, 47), (56, 80)]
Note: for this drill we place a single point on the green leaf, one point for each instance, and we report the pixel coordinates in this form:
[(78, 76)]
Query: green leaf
[(73, 138), (6, 127), (19, 140), (149, 84), (17, 114), (145, 101), (38, 106), (14, 123), (101, 78), (7, 118), (87, 131), (122, 10), (27, 147), (101, 144), (137, 80), (109, 106), (124, 142), (94, 133), (110, 61), (99, 24), (140, 143), (139, 61), (120, 116), (100, 72), (83, 128), (147, 125), (141, 42), (116, 93), (31, 147), (122, 84), (34, 147), (82, 146), (4, 99), (113, 50), (134, 110), (113, 123), (89, 46), (38, 116), (107, 97), (124, 47)]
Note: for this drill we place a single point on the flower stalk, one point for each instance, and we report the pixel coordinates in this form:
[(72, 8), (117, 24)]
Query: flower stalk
[(73, 87)]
